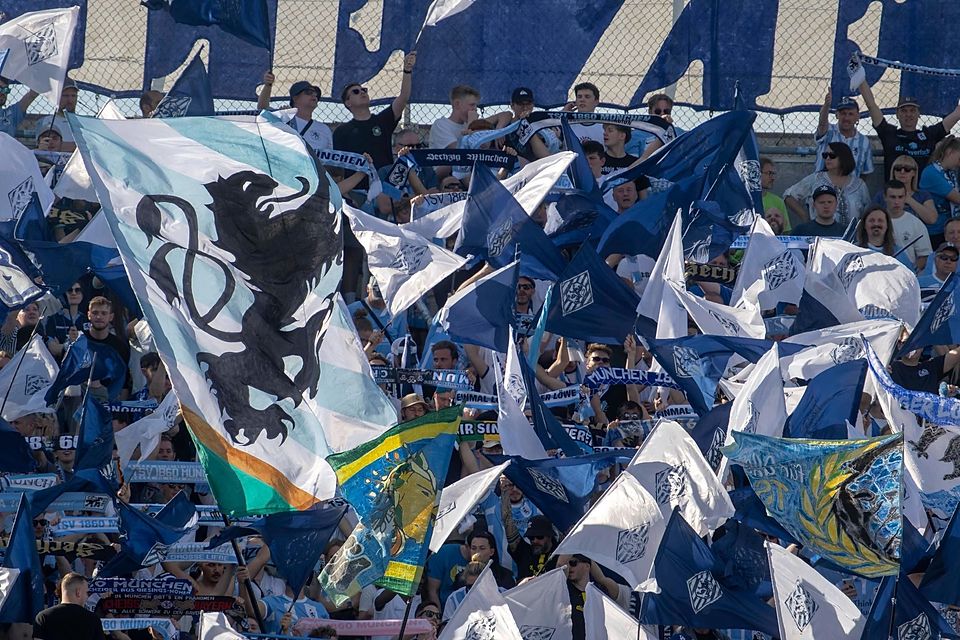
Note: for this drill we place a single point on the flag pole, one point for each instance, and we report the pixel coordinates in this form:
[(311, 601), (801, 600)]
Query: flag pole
[(406, 615), (247, 583), (17, 368), (83, 399)]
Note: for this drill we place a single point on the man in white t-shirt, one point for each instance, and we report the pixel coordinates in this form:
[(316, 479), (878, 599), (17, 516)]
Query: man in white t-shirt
[(906, 226), (304, 98), (587, 98), (447, 131)]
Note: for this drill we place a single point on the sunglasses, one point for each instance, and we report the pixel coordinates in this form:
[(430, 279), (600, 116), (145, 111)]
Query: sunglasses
[(452, 186), (828, 155), (430, 614), (75, 290), (904, 168), (358, 90), (40, 523), (419, 145), (661, 112), (596, 359), (630, 416), (573, 562), (525, 287), (537, 537), (947, 258)]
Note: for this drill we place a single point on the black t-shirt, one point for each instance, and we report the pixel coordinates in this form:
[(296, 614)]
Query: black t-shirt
[(814, 228), (372, 136), (925, 376), (530, 564), (917, 144), (577, 600), (67, 621), (119, 345), (615, 164)]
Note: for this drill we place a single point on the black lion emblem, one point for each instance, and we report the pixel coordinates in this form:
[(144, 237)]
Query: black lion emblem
[(282, 255)]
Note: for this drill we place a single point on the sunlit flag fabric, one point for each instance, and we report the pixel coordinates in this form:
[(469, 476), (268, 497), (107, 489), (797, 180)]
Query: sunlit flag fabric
[(481, 312), (394, 484), (714, 318), (659, 303), (808, 605), (751, 512), (836, 345), (26, 380), (691, 591), (26, 601), (74, 181), (591, 302), (840, 499), (940, 323), (39, 44), (215, 626), (146, 431), (939, 580), (900, 611), (484, 613), (190, 94), (405, 264), (458, 499), (20, 179), (296, 539), (671, 468), (541, 606), (546, 425), (621, 531), (144, 539), (517, 436), (769, 272), (832, 400), (603, 618), (239, 330), (824, 302), (443, 9), (82, 356)]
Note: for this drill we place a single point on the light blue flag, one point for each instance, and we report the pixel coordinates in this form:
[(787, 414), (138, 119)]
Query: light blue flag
[(482, 312), (190, 95), (232, 243)]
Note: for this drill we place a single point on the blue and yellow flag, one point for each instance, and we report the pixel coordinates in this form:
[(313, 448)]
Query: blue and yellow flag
[(841, 499), (394, 484)]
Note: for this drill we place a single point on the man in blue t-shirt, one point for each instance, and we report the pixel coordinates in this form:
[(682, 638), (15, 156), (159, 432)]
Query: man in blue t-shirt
[(12, 116)]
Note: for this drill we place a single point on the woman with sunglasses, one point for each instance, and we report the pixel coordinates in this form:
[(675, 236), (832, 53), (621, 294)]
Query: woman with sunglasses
[(940, 179), (852, 194), (66, 325), (919, 203)]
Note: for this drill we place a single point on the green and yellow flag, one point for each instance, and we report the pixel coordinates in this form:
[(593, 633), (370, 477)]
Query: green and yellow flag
[(394, 484)]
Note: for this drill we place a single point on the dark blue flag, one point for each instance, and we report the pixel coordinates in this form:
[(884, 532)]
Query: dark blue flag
[(740, 550), (246, 19), (3, 58), (939, 583), (710, 432), (101, 480), (641, 229), (17, 273), (915, 551), (32, 224), (109, 368), (691, 590), (749, 509), (940, 323), (901, 612), (190, 95), (580, 172), (15, 454), (748, 160), (709, 232), (296, 539), (144, 539), (495, 226), (546, 425), (560, 487), (26, 599), (95, 437), (832, 399), (591, 302), (584, 215), (114, 277), (481, 313), (62, 264)]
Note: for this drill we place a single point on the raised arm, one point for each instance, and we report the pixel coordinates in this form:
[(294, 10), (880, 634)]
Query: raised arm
[(400, 102), (876, 116), (263, 100), (824, 121), (951, 119)]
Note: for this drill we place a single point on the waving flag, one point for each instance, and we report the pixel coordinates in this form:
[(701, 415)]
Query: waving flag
[(15, 453), (831, 401), (190, 94), (457, 500), (659, 303), (641, 229), (8, 577), (39, 44), (108, 367), (603, 618), (31, 372), (591, 302), (405, 264), (769, 272), (146, 431), (748, 158), (296, 539), (546, 425), (711, 230), (481, 313), (443, 9), (719, 319), (95, 437), (394, 483), (899, 607), (751, 512), (484, 613), (75, 182), (939, 582), (517, 436), (823, 303), (20, 178), (808, 605), (3, 58), (836, 345), (541, 606), (940, 323), (248, 20), (690, 592), (215, 626), (26, 600), (671, 468), (840, 499), (621, 532), (239, 330)]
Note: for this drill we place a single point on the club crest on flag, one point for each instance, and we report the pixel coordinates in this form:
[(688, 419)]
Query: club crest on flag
[(802, 606), (660, 184), (847, 350), (548, 485), (704, 590), (173, 107), (714, 455), (632, 543), (686, 360), (576, 293), (409, 258), (513, 385), (20, 196), (749, 171), (533, 632), (671, 484), (499, 238), (848, 269), (42, 44), (728, 325), (156, 555), (873, 312), (753, 420), (481, 626), (916, 629), (34, 383), (17, 287), (942, 314), (778, 271)]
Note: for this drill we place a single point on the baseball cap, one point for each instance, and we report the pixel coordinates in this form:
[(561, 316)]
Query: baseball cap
[(299, 87), (69, 84), (907, 101), (539, 526), (847, 103), (948, 245), (521, 95), (47, 130), (824, 190)]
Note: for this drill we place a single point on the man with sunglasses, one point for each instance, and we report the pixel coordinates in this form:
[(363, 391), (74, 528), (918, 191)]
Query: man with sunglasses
[(12, 116), (304, 97), (944, 263), (845, 131), (581, 571), (532, 552), (643, 144), (372, 133)]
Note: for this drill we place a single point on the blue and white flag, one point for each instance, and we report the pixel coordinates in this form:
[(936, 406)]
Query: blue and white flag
[(940, 323), (900, 611), (591, 302), (145, 432), (17, 288), (406, 265), (481, 313), (26, 600), (748, 159), (190, 94), (39, 43), (604, 618), (3, 58), (248, 20), (74, 181), (239, 330), (714, 318), (769, 272), (836, 345), (546, 425), (659, 302), (830, 403), (20, 178), (641, 229), (542, 606), (107, 367), (517, 435), (484, 613)]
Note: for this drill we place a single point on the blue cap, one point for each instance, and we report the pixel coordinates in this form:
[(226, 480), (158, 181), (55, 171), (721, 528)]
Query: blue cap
[(847, 103), (299, 87)]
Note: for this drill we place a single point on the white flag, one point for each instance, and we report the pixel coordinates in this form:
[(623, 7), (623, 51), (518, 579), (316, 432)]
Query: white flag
[(458, 499), (659, 302), (443, 9), (214, 626), (482, 614), (75, 182), (39, 44), (405, 264), (621, 531), (718, 319), (352, 408), (671, 468), (20, 177), (146, 431), (856, 72), (7, 579), (808, 605), (517, 436), (98, 232), (769, 272), (35, 371), (837, 345), (541, 606), (603, 618)]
